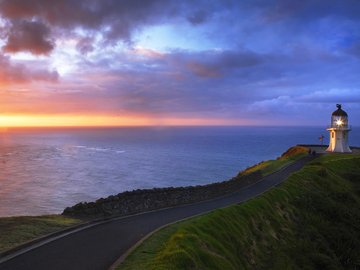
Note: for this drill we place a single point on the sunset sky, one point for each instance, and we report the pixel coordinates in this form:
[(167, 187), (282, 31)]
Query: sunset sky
[(169, 62)]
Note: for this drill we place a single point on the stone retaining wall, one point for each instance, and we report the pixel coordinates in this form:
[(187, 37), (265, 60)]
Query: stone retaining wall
[(142, 200)]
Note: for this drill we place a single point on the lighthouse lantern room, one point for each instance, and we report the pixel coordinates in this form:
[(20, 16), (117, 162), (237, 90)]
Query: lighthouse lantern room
[(339, 130)]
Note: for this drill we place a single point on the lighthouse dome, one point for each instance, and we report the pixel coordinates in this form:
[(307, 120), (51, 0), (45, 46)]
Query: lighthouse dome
[(339, 111), (339, 118)]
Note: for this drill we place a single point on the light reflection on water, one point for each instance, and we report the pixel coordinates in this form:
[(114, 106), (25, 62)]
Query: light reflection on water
[(43, 171)]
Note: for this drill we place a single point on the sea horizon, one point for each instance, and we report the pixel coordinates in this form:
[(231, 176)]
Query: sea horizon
[(44, 170)]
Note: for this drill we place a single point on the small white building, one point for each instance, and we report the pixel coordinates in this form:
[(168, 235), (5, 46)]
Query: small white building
[(339, 131)]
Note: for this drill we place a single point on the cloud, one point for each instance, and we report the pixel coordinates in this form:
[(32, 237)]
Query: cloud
[(332, 96), (112, 20), (198, 17), (116, 19), (310, 9), (85, 45), (148, 53), (214, 82), (28, 36), (214, 64), (263, 59), (203, 70), (266, 23), (11, 73)]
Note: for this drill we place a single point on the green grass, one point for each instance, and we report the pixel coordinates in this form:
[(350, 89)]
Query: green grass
[(311, 221), (18, 230), (266, 167)]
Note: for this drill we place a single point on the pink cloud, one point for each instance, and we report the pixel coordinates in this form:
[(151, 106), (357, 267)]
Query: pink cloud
[(11, 73)]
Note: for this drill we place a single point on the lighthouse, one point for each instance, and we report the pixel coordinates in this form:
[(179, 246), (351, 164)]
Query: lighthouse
[(339, 131)]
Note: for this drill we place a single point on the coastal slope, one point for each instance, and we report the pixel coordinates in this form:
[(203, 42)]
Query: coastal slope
[(99, 245), (311, 221)]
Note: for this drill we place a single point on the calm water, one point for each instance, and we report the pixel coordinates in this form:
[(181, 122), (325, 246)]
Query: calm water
[(43, 171)]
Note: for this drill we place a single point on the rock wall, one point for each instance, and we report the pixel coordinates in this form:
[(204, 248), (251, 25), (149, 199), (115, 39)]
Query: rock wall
[(142, 200)]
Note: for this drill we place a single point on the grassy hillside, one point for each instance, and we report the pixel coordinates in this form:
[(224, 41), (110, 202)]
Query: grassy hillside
[(266, 167), (312, 221), (18, 230)]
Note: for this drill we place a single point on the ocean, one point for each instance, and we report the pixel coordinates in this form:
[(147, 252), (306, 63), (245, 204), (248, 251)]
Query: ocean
[(42, 171)]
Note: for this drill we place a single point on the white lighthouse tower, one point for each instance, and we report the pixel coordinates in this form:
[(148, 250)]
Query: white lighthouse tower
[(339, 130)]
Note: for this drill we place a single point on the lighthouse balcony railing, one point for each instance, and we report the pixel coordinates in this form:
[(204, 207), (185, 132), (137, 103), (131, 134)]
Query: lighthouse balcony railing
[(346, 127)]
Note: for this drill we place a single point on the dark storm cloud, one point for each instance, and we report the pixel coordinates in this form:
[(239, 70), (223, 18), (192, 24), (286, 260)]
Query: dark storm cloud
[(30, 36), (68, 14), (11, 73), (198, 17), (116, 19)]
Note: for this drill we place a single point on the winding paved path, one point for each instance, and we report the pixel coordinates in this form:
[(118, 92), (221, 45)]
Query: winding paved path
[(98, 247)]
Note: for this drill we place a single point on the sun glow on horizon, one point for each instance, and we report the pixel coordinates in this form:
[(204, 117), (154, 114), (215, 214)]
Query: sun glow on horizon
[(8, 121), (67, 120)]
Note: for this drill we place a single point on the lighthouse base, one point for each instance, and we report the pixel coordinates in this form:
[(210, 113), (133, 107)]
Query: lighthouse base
[(339, 149), (338, 141)]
